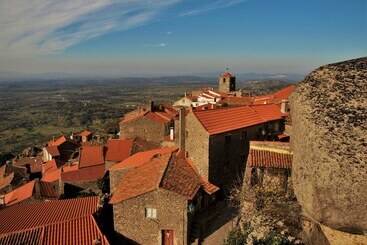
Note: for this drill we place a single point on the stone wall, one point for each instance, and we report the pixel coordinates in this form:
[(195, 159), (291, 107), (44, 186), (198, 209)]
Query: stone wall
[(197, 144), (130, 220), (143, 128)]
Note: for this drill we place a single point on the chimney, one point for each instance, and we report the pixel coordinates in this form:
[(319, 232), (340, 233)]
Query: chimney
[(182, 129), (171, 133), (151, 106), (283, 106), (37, 189), (61, 187), (2, 200)]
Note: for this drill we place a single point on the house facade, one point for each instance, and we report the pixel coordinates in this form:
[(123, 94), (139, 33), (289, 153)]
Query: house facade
[(269, 166), (217, 141), (157, 197), (154, 124)]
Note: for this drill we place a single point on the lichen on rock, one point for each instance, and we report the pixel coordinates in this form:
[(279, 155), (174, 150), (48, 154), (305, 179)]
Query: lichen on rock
[(329, 117)]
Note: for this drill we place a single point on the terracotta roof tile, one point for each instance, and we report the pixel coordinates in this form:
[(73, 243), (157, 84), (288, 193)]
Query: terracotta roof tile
[(56, 142), (142, 179), (85, 174), (170, 171), (223, 120), (161, 116), (118, 149), (269, 112), (91, 155), (25, 216), (20, 194), (181, 178), (53, 150), (49, 166), (31, 236), (140, 158), (51, 176), (48, 190), (269, 159), (67, 221)]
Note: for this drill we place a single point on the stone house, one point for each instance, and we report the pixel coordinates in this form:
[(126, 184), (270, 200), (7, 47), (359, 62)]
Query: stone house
[(155, 123), (157, 197), (60, 149), (217, 141), (269, 165), (82, 137), (85, 174), (27, 167)]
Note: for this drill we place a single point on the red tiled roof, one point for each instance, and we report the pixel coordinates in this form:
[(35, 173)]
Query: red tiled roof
[(91, 155), (269, 112), (62, 139), (226, 74), (269, 159), (53, 150), (85, 133), (26, 216), (284, 93), (223, 120), (68, 221), (118, 149), (141, 180), (140, 158), (276, 97), (31, 236), (19, 194), (83, 230), (48, 190), (49, 166), (51, 176), (28, 160), (85, 174), (228, 119), (208, 187), (55, 174), (161, 116), (181, 178), (170, 171)]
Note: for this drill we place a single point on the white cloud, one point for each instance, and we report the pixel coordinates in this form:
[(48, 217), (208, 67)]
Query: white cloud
[(49, 26), (156, 45), (218, 4)]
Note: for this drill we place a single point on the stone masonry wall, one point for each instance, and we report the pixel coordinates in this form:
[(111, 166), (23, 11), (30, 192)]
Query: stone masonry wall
[(130, 220), (197, 144), (143, 128)]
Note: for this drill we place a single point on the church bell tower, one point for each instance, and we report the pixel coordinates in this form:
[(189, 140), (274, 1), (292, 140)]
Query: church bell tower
[(227, 82)]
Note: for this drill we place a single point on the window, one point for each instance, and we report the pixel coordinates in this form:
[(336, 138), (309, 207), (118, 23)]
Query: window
[(151, 213)]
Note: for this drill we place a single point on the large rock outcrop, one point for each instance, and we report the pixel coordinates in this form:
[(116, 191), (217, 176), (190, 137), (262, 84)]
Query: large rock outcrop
[(329, 116)]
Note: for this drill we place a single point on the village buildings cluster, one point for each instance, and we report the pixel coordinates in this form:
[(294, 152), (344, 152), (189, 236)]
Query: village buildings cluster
[(162, 180)]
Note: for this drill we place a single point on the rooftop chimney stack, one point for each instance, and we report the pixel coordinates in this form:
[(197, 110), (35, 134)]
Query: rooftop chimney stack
[(151, 106), (37, 189), (283, 106), (182, 129)]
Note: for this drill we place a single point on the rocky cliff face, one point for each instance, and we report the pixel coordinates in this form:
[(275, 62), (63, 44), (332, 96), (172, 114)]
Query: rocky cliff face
[(329, 113)]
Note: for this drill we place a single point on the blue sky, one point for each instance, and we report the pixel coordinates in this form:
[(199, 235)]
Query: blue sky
[(168, 37)]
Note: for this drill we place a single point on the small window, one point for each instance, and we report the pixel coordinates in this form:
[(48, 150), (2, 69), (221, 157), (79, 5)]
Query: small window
[(151, 213)]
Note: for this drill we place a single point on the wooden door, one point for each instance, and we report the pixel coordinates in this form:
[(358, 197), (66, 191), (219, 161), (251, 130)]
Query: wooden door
[(167, 237)]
